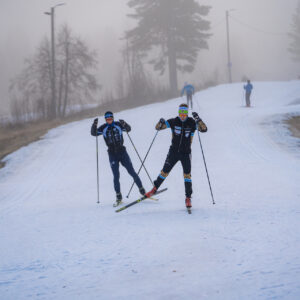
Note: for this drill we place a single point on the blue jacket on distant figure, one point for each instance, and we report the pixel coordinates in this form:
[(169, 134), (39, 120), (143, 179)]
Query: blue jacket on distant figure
[(189, 89), (248, 87)]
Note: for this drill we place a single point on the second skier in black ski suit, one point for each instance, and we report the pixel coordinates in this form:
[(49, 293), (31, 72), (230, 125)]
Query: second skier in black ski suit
[(183, 128)]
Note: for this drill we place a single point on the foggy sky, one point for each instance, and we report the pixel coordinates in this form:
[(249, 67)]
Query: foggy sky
[(258, 47)]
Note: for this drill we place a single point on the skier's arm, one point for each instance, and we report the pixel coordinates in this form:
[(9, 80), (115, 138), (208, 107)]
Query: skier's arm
[(125, 126), (200, 124), (94, 130), (182, 91), (192, 136), (161, 124), (193, 132)]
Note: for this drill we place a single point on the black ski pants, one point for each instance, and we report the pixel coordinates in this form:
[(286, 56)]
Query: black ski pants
[(122, 157), (172, 158)]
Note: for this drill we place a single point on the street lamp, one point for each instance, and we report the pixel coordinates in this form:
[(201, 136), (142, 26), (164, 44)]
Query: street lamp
[(229, 64), (53, 77)]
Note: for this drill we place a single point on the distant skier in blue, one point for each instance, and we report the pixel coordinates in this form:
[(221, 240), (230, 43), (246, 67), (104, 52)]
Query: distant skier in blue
[(248, 89), (189, 90)]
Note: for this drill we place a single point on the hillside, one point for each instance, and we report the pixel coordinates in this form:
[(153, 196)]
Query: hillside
[(58, 243)]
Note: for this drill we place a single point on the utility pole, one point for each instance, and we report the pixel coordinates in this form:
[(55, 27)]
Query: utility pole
[(53, 75), (229, 64)]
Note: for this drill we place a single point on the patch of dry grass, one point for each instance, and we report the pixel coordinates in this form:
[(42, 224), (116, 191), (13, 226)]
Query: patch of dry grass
[(294, 126), (14, 137)]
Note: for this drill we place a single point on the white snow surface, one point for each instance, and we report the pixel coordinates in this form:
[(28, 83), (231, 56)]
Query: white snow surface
[(58, 243)]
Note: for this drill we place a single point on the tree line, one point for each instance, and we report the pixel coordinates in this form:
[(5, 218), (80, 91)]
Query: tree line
[(31, 90), (169, 35)]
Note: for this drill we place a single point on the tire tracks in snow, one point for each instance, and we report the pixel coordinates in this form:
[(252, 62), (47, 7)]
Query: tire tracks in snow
[(247, 139)]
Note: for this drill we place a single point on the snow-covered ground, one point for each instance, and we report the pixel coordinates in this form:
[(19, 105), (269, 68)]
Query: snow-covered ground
[(56, 242)]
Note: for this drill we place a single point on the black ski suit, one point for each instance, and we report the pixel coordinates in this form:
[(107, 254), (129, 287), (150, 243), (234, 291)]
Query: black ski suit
[(117, 153), (180, 149)]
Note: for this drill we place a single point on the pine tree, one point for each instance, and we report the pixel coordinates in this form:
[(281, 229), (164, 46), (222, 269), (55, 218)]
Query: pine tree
[(172, 32), (294, 48)]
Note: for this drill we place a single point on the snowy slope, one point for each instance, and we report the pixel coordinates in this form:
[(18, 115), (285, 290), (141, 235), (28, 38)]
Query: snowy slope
[(58, 243)]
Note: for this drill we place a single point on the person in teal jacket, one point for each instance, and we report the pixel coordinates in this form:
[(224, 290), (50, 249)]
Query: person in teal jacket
[(189, 90)]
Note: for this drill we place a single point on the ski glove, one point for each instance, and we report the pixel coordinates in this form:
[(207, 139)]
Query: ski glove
[(201, 126), (95, 122), (162, 121), (123, 123), (161, 124), (196, 117)]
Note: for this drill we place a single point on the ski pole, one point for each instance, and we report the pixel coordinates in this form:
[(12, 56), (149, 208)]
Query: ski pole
[(243, 98), (197, 104), (97, 169), (143, 162), (213, 201), (139, 158)]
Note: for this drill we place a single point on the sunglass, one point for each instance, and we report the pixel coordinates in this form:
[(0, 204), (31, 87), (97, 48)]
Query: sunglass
[(183, 111), (109, 119)]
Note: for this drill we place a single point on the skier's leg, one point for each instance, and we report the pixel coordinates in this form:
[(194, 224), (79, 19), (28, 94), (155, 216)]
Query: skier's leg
[(170, 162), (126, 162), (114, 164), (247, 99), (186, 165)]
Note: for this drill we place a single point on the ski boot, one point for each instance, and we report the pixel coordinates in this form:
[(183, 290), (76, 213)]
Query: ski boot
[(118, 200), (152, 192), (142, 190), (188, 204)]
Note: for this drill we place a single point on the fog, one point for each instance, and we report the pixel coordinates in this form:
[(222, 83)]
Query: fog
[(257, 36)]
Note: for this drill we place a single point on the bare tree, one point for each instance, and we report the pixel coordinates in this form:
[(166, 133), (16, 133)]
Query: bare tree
[(294, 48), (75, 62), (31, 88), (76, 82)]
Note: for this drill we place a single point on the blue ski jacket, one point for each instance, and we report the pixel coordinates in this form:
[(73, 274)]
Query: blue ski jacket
[(112, 134), (188, 89), (248, 87)]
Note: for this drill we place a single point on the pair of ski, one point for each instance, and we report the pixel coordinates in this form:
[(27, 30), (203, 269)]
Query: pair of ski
[(189, 210), (140, 200)]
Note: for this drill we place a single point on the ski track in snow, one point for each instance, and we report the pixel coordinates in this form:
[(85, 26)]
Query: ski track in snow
[(58, 243)]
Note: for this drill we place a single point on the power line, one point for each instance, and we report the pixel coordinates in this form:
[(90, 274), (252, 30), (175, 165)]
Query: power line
[(218, 24), (256, 29)]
